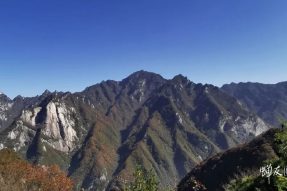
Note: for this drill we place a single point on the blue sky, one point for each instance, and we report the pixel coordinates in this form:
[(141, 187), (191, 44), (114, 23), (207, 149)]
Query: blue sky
[(67, 45)]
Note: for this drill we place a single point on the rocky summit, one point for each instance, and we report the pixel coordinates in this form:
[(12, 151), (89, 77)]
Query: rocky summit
[(99, 135)]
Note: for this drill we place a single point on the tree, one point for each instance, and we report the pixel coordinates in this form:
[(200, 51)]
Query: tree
[(144, 181), (19, 175)]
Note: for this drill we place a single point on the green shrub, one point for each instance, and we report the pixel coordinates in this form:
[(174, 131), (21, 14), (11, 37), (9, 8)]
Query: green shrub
[(144, 181)]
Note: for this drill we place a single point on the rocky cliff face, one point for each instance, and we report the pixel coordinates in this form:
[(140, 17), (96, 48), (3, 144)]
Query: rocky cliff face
[(5, 106), (12, 109), (100, 134)]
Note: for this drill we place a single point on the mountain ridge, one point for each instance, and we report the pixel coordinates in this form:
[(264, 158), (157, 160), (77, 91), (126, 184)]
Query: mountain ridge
[(269, 101), (243, 160), (103, 132)]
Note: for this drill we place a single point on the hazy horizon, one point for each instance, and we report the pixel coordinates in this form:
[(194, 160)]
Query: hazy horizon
[(69, 45)]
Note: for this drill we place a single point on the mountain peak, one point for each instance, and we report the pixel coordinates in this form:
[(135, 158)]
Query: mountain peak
[(4, 97), (46, 92), (180, 78), (143, 75), (18, 97)]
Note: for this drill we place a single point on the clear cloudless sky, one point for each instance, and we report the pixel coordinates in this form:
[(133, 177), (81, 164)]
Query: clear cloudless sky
[(67, 45)]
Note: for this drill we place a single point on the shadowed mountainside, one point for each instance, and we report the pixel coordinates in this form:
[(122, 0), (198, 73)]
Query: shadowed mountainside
[(220, 169)]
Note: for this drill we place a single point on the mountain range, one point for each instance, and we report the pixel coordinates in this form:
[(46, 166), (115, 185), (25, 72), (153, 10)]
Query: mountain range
[(101, 134)]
